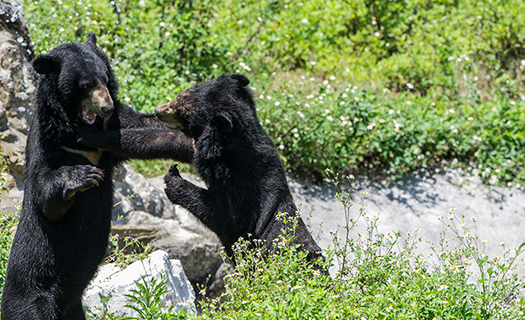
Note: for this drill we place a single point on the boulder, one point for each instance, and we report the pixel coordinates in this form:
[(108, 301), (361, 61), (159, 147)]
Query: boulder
[(17, 91), (106, 293)]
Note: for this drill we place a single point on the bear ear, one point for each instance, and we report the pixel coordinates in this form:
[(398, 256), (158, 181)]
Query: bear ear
[(223, 123), (91, 40), (44, 64), (243, 81)]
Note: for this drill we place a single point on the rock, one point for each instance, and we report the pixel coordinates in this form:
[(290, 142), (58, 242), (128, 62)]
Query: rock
[(17, 91), (417, 201), (216, 286), (114, 283), (197, 251), (145, 236), (133, 192), (12, 19), (177, 231)]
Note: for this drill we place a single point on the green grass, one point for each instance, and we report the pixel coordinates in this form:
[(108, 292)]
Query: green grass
[(157, 167), (7, 222), (451, 71)]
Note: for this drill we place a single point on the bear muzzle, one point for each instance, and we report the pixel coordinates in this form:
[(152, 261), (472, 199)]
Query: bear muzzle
[(166, 113), (98, 103)]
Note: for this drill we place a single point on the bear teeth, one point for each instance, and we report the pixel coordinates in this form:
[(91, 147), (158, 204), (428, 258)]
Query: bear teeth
[(88, 115)]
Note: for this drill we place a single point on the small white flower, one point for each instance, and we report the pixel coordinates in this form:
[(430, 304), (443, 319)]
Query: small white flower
[(330, 118), (281, 147), (214, 66), (332, 78), (277, 103), (410, 86), (304, 20), (162, 24), (391, 111)]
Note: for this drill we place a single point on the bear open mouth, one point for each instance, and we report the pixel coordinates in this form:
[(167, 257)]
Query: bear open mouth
[(88, 115), (175, 126)]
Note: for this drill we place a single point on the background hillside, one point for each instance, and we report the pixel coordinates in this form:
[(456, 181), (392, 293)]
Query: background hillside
[(378, 86)]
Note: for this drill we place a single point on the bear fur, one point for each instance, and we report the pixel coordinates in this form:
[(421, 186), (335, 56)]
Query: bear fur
[(246, 181), (65, 220)]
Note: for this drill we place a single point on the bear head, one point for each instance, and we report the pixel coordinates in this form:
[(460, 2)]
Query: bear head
[(222, 105), (81, 78)]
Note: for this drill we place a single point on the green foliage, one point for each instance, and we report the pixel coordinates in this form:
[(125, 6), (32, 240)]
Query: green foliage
[(330, 124), (157, 167), (7, 222), (380, 276), (155, 46), (421, 59), (146, 301)]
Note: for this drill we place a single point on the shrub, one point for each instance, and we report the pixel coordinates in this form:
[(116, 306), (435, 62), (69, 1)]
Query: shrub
[(421, 58), (379, 276)]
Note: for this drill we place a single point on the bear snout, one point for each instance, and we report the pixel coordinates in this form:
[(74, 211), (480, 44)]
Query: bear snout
[(108, 110), (100, 102)]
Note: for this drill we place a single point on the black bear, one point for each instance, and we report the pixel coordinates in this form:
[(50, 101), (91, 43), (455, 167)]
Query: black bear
[(246, 181), (66, 212)]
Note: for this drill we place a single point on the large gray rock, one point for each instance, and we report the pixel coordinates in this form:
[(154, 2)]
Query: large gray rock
[(106, 293), (17, 90), (178, 232)]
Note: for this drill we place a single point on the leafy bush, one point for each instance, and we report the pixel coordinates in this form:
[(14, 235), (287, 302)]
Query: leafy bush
[(330, 124), (423, 59)]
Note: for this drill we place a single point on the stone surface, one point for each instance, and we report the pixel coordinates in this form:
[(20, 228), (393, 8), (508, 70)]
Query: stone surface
[(106, 293), (17, 91), (416, 202)]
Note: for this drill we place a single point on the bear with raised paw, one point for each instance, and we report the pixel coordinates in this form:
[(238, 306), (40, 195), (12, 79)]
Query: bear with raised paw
[(80, 131), (246, 181)]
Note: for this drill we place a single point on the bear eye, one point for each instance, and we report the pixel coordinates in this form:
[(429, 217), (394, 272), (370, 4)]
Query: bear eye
[(86, 85)]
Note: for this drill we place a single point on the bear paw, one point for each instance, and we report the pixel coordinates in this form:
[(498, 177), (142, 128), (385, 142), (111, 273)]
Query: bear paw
[(81, 178)]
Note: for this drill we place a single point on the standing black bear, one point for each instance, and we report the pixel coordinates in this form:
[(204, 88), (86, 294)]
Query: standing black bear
[(246, 181), (66, 212)]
